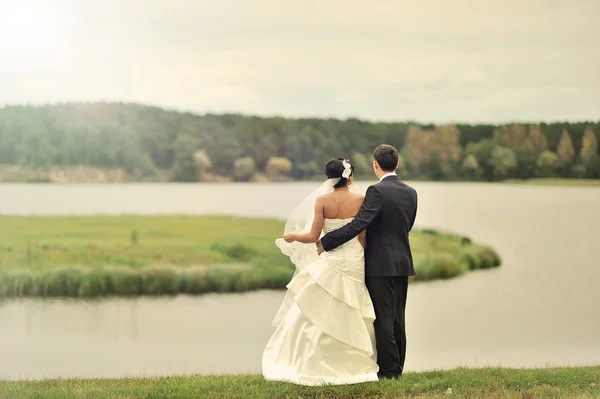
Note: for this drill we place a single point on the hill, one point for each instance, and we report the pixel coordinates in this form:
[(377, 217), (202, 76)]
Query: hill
[(132, 142)]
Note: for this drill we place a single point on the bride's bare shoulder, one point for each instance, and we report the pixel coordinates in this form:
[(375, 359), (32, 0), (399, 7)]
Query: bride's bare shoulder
[(325, 196), (357, 201), (324, 199), (359, 198)]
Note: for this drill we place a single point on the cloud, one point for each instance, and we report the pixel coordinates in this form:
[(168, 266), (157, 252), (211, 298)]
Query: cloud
[(431, 60)]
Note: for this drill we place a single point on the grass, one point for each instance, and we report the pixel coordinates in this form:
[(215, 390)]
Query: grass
[(575, 382), (165, 255), (557, 182)]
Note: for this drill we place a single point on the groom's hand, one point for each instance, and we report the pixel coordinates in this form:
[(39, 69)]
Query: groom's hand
[(320, 248)]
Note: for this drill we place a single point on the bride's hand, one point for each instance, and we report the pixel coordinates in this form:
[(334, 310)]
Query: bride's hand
[(289, 237)]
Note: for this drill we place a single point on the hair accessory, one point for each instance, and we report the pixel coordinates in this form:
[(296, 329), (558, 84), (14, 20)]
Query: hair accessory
[(347, 169)]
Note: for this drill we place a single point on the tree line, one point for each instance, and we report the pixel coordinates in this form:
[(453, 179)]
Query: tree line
[(148, 142)]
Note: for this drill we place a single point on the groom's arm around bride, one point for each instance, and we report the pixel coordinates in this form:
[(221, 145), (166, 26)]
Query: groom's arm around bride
[(368, 213), (388, 214)]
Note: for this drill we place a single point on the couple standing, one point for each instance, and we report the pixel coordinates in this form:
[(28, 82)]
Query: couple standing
[(342, 320)]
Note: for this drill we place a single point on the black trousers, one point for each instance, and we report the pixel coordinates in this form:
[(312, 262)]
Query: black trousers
[(389, 300)]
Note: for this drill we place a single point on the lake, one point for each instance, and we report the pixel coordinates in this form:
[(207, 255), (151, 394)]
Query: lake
[(541, 307)]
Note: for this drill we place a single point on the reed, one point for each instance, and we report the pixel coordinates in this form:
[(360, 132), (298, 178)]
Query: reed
[(167, 255)]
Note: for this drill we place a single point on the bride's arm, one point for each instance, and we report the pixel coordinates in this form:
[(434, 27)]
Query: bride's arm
[(362, 236), (315, 231)]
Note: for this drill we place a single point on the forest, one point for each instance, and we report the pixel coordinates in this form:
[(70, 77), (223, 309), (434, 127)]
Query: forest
[(133, 142)]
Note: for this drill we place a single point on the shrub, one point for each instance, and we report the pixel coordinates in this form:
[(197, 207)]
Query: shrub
[(201, 161), (503, 161), (308, 169), (470, 167), (479, 257), (439, 266), (592, 166), (244, 168), (278, 166), (547, 164), (579, 171)]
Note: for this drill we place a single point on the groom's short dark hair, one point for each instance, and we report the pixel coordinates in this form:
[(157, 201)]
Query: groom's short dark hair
[(387, 157)]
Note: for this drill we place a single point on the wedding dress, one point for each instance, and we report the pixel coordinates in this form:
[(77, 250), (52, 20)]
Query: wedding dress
[(324, 329)]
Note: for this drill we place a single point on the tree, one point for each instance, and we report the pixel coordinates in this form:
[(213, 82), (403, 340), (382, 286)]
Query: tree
[(527, 145), (184, 168), (201, 163), (470, 167), (440, 146), (579, 171), (278, 166), (536, 139), (416, 146), (402, 166), (503, 161), (511, 136), (448, 143), (592, 166), (307, 169), (244, 168), (435, 168), (482, 150), (149, 142), (547, 164), (526, 159), (565, 150), (145, 166), (361, 164), (408, 164), (589, 143)]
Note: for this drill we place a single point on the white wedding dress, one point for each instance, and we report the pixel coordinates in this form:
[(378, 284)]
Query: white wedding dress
[(324, 333)]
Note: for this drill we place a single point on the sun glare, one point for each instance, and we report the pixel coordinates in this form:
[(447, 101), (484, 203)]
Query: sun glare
[(27, 27)]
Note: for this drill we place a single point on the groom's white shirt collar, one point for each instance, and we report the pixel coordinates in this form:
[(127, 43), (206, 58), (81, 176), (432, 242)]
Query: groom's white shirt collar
[(387, 175)]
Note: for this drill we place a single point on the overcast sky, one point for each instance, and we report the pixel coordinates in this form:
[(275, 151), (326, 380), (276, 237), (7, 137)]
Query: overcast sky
[(425, 60)]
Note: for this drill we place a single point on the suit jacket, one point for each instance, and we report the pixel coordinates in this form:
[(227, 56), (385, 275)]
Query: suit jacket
[(388, 214)]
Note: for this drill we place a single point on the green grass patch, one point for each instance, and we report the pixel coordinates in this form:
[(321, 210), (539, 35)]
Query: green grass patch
[(575, 382), (556, 182), (166, 255)]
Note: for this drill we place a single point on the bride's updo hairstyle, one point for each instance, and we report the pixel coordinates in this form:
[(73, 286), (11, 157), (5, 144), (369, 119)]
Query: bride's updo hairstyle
[(334, 170)]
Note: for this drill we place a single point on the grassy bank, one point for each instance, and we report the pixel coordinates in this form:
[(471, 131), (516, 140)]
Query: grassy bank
[(557, 182), (576, 382), (162, 255)]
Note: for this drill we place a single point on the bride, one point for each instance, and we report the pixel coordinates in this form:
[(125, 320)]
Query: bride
[(324, 329)]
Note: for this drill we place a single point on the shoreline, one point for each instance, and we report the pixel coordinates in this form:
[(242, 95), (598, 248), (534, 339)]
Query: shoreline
[(528, 182)]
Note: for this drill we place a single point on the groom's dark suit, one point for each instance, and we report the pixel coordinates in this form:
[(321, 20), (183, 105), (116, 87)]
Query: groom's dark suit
[(388, 214)]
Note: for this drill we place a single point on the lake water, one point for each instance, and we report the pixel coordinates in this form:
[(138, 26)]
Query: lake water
[(541, 307)]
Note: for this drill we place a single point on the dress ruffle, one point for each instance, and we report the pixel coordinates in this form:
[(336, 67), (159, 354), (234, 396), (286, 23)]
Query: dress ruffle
[(325, 331), (299, 352), (346, 289), (334, 317)]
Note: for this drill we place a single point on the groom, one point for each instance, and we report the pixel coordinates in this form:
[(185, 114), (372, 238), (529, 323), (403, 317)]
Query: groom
[(388, 214)]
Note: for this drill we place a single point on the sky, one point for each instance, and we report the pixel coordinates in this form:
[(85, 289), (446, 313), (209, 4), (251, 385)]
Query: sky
[(390, 60)]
